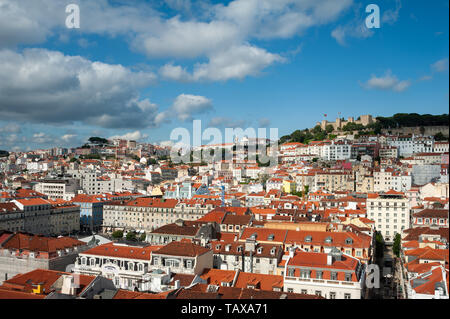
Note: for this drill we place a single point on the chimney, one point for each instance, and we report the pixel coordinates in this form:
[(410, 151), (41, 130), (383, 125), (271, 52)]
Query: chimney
[(68, 286), (291, 252), (329, 260)]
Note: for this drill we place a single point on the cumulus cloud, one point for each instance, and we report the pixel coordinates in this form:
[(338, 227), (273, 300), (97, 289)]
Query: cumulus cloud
[(232, 63), (175, 72), (355, 28), (387, 82), (184, 108), (131, 136), (440, 66), (215, 29), (45, 86), (42, 138), (390, 16)]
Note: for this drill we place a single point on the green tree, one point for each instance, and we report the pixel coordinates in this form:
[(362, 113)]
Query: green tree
[(143, 237), (329, 128), (397, 245), (98, 140), (379, 245), (131, 236), (306, 190), (118, 234)]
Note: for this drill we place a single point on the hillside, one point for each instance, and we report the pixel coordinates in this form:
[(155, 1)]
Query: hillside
[(398, 123)]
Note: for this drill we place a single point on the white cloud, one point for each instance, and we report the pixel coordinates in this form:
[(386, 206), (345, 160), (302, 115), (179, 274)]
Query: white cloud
[(42, 138), (216, 29), (233, 63), (390, 16), (45, 86), (355, 28), (426, 78), (10, 128), (440, 66), (131, 136), (175, 72), (186, 105), (67, 138), (387, 82), (184, 108)]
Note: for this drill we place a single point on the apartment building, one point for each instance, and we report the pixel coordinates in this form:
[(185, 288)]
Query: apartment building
[(182, 258), (141, 214), (182, 230), (430, 218), (391, 213), (388, 152), (336, 151), (333, 181), (22, 252), (65, 189), (250, 256), (408, 145), (93, 182), (332, 275), (125, 265), (386, 179), (46, 217), (11, 217), (91, 210)]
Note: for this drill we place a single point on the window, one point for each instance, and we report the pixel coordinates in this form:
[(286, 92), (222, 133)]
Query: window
[(332, 295), (347, 296), (319, 275), (304, 291), (290, 290), (333, 275), (348, 277), (318, 293)]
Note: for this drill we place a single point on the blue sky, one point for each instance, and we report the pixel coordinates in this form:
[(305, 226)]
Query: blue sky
[(139, 69)]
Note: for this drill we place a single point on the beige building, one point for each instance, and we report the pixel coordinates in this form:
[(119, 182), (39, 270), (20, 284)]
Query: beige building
[(333, 181), (147, 214), (391, 213), (46, 217)]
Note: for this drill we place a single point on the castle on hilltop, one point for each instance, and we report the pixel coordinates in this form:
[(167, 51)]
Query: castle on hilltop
[(340, 123)]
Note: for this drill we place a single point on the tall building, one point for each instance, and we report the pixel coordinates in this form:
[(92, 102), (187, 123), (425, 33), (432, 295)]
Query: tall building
[(391, 213)]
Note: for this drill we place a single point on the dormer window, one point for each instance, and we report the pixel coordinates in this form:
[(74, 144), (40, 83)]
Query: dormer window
[(329, 240), (239, 249), (308, 239), (271, 237), (349, 241), (260, 250), (218, 247)]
